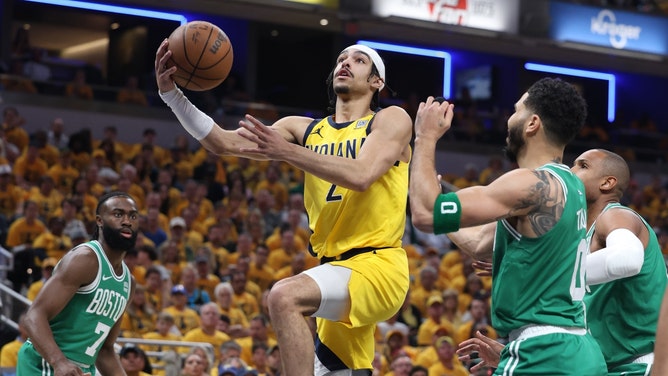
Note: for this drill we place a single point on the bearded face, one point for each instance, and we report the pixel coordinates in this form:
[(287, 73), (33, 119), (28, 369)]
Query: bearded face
[(514, 143), (119, 239)]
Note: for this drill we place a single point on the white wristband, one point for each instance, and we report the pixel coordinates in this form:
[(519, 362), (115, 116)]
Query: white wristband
[(622, 257), (196, 122)]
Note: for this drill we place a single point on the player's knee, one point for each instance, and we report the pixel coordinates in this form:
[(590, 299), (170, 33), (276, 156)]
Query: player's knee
[(281, 297), (292, 295)]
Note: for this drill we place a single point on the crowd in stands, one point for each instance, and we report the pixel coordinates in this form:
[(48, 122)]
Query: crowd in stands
[(215, 234)]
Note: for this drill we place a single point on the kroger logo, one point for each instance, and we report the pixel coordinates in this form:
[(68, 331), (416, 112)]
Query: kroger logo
[(606, 24)]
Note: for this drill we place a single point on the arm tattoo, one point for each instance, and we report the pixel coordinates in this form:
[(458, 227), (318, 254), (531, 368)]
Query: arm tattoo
[(545, 200)]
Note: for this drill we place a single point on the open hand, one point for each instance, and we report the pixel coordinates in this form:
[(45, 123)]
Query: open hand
[(433, 118), (163, 75), (270, 143)]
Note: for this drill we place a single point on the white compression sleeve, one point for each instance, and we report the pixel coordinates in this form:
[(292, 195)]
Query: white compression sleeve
[(622, 257), (196, 122)]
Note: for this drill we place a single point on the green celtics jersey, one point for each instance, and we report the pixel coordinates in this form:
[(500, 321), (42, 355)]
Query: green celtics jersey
[(541, 281), (83, 325), (622, 314)]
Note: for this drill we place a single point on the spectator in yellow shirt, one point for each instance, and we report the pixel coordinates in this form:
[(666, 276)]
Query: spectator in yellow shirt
[(48, 264)]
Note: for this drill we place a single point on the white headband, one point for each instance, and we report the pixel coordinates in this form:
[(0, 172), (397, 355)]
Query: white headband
[(377, 61)]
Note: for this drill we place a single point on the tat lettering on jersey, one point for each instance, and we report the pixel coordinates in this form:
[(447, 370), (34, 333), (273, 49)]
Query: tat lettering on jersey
[(346, 149), (107, 303)]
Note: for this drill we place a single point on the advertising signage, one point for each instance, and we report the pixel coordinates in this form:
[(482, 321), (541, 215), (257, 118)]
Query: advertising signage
[(491, 15), (608, 28)]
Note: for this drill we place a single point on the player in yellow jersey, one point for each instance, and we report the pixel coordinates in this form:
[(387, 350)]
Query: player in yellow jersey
[(356, 185)]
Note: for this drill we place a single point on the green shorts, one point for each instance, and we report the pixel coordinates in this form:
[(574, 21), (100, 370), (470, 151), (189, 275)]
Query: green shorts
[(553, 354), (30, 363)]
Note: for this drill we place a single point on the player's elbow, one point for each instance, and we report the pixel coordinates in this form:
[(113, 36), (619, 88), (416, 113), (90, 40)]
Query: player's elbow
[(422, 220)]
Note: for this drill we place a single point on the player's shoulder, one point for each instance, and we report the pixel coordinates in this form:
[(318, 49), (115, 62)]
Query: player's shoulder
[(392, 113)]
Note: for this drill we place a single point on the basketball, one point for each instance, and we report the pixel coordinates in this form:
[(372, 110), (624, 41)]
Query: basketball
[(202, 53)]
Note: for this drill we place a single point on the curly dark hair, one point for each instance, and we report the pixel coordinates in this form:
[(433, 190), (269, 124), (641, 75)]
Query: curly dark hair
[(560, 107)]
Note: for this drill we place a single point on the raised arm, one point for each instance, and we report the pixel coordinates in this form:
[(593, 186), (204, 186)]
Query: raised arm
[(76, 269), (387, 143), (201, 126)]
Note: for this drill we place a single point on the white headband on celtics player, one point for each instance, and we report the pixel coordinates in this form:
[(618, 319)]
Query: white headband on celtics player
[(373, 55)]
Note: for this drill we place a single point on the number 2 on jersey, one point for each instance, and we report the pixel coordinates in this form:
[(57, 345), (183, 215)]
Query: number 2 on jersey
[(331, 197)]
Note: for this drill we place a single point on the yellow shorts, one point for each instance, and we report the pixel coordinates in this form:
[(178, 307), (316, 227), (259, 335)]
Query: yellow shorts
[(378, 286)]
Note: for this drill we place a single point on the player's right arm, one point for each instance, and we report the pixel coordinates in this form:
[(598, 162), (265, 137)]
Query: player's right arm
[(202, 127), (77, 268)]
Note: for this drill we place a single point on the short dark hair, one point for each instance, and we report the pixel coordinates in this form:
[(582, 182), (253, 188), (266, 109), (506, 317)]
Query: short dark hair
[(560, 107), (103, 200)]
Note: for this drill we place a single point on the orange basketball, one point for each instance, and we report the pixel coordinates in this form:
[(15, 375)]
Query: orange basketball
[(202, 52)]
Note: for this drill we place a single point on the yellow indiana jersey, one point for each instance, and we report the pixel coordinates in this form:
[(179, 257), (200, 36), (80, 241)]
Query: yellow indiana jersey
[(343, 219)]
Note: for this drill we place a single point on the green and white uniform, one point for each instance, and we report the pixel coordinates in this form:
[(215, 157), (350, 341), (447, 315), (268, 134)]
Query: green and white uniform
[(537, 291), (82, 326), (622, 314)]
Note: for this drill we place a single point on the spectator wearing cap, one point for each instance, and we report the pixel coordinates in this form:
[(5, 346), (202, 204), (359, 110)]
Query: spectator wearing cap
[(384, 327), (53, 242), (185, 318), (29, 167), (196, 296), (434, 320), (134, 361), (447, 363), (48, 264), (177, 236), (11, 195), (480, 320), (425, 288), (396, 346), (429, 355), (139, 316), (207, 332)]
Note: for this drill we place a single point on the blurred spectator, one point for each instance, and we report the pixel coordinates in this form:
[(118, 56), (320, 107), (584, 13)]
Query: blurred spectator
[(470, 177), (434, 320), (48, 264), (410, 315), (22, 232), (196, 296), (193, 365), (63, 173), (56, 135), (401, 366), (258, 335), (12, 124), (185, 318), (241, 298), (11, 196), (131, 93), (134, 361), (206, 331), (445, 347), (204, 266), (17, 82), (69, 212), (479, 321), (139, 316), (163, 332), (493, 170), (239, 323), (53, 242), (9, 352), (78, 87), (425, 289), (48, 198)]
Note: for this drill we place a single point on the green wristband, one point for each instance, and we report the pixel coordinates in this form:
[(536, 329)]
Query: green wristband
[(447, 213)]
